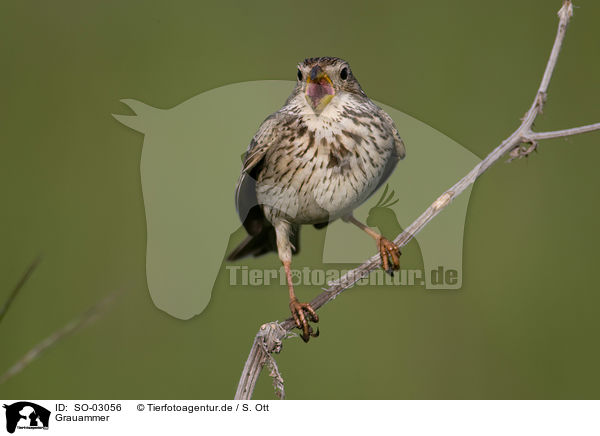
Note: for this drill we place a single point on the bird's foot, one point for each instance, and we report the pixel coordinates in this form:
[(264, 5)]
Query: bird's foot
[(302, 312), (390, 255)]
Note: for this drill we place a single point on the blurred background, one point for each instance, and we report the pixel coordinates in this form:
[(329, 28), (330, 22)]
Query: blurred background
[(525, 323)]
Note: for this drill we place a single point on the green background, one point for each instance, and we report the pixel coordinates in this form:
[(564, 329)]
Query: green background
[(524, 325)]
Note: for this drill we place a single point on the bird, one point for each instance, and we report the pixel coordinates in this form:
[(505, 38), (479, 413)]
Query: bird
[(315, 160)]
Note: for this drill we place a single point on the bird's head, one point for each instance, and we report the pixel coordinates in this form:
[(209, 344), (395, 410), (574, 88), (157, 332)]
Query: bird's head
[(321, 79)]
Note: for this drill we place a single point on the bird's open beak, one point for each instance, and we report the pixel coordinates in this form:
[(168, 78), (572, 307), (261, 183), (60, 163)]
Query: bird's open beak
[(319, 89)]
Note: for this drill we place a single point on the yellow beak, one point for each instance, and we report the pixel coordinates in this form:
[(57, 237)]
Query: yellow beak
[(319, 89)]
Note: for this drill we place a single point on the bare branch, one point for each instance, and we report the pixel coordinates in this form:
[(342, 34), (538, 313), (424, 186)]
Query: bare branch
[(512, 145), (81, 321), (566, 132), (267, 341), (18, 287)]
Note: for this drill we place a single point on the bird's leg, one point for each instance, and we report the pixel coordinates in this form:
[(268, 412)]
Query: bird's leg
[(389, 252), (302, 312)]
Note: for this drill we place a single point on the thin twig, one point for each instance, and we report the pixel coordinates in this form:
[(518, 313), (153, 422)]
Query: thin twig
[(566, 132), (512, 145), (19, 286), (81, 321)]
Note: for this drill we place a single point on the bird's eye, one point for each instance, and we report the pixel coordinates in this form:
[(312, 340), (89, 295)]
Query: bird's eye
[(344, 73), (299, 74)]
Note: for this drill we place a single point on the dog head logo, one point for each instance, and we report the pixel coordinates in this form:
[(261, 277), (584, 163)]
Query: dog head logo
[(25, 414)]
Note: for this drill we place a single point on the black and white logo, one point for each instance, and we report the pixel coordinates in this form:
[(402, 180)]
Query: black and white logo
[(26, 415)]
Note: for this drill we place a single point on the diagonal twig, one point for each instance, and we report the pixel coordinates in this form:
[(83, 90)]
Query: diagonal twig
[(19, 286), (513, 145), (81, 321), (566, 132)]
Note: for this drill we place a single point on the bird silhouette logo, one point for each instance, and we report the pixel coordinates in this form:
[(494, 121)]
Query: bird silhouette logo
[(382, 216)]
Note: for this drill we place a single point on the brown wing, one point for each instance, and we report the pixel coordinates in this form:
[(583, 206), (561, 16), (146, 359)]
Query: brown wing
[(246, 203), (400, 149), (398, 143), (261, 237)]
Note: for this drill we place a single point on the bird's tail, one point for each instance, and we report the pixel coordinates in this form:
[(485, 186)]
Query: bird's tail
[(262, 243)]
